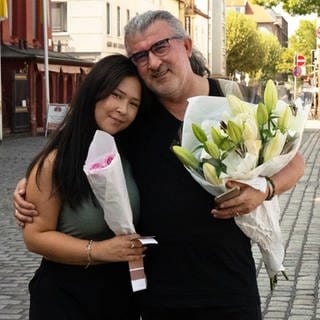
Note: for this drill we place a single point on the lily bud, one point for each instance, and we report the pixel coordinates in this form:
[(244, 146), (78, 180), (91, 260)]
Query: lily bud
[(226, 145), (250, 131), (234, 131), (237, 105), (284, 118), (210, 173), (253, 146), (186, 157), (199, 133), (274, 147), (262, 114), (270, 96), (212, 149), (216, 136)]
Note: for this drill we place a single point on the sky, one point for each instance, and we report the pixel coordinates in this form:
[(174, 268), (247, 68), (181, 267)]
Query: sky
[(293, 21)]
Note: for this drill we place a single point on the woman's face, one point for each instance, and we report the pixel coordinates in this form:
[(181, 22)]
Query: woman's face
[(117, 111)]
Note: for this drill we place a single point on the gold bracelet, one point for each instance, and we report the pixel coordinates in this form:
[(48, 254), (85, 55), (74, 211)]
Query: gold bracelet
[(88, 249), (272, 190)]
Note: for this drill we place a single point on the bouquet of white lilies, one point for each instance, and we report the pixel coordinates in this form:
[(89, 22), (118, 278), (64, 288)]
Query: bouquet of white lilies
[(229, 139)]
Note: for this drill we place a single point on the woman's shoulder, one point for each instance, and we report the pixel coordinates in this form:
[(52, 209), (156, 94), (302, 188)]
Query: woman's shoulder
[(43, 168)]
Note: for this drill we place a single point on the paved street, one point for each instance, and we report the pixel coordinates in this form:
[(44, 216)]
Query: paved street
[(295, 299)]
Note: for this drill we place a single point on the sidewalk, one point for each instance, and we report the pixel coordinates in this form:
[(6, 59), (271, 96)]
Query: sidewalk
[(313, 124), (295, 299)]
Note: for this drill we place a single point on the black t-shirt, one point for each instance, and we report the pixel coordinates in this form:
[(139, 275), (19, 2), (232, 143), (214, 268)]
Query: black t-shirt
[(199, 261)]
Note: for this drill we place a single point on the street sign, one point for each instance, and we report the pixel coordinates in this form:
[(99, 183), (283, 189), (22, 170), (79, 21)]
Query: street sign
[(297, 71), (301, 61)]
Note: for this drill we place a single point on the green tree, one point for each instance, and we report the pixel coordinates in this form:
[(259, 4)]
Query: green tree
[(304, 40), (286, 63), (244, 49), (294, 7), (273, 51)]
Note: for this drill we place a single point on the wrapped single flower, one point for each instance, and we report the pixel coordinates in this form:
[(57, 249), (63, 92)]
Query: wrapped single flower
[(105, 174)]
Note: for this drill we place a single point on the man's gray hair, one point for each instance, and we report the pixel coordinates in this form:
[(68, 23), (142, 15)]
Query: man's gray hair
[(141, 22)]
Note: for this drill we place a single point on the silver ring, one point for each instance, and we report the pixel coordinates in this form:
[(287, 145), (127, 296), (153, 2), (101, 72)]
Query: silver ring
[(132, 245)]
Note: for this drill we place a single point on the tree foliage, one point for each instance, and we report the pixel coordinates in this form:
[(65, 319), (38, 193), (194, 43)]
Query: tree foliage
[(273, 51), (244, 49), (304, 40), (294, 7), (286, 63)]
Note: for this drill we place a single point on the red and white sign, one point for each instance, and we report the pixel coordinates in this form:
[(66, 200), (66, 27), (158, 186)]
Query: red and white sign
[(301, 61)]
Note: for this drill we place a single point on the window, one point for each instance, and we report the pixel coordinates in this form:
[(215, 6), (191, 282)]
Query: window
[(118, 22), (108, 17), (59, 16)]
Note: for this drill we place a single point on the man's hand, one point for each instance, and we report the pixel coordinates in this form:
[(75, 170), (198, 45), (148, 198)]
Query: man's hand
[(248, 200), (24, 211)]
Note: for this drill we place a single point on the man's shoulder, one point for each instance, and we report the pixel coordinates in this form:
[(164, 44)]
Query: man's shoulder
[(225, 87)]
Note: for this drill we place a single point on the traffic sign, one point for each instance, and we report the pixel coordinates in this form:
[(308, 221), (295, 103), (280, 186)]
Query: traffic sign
[(301, 61), (297, 71)]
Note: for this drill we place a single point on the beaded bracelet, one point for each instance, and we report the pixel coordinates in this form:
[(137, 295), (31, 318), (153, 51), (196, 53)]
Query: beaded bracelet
[(88, 249), (272, 190)]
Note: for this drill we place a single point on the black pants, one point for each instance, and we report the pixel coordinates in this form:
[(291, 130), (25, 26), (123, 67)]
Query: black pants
[(65, 292), (226, 313)]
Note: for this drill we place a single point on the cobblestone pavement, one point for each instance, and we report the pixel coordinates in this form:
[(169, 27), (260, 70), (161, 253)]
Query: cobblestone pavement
[(295, 299)]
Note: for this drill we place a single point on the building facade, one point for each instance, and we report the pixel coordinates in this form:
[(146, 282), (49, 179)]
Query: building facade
[(79, 33), (266, 19), (94, 29), (23, 85)]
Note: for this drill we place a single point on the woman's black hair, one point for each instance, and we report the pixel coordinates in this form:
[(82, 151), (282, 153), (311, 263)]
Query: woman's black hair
[(72, 140)]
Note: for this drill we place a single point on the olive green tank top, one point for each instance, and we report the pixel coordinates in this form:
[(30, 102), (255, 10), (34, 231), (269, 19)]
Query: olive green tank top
[(87, 220)]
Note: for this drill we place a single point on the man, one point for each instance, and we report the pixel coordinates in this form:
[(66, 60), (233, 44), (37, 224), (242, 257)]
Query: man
[(203, 266)]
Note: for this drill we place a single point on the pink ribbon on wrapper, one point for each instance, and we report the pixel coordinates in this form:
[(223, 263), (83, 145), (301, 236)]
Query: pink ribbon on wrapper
[(136, 268), (137, 275)]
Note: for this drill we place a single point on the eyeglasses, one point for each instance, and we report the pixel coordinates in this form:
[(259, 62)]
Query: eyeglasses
[(160, 49)]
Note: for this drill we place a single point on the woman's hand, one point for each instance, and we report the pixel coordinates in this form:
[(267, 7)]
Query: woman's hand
[(24, 211), (117, 249), (248, 200)]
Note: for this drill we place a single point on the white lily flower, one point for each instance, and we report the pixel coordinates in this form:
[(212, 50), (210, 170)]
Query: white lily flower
[(238, 167), (274, 147), (253, 147), (250, 131)]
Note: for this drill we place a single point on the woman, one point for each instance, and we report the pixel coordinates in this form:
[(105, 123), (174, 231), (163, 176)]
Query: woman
[(76, 279)]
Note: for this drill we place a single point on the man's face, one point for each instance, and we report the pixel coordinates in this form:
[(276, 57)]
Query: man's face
[(162, 58)]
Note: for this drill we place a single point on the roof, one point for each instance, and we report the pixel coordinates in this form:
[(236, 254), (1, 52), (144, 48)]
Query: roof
[(37, 54), (261, 15), (236, 3), (258, 13)]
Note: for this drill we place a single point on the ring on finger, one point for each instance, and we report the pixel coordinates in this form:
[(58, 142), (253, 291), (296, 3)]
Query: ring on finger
[(132, 245), (237, 214)]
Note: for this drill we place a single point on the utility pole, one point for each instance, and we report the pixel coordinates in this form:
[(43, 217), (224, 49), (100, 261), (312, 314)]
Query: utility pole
[(317, 111), (46, 59)]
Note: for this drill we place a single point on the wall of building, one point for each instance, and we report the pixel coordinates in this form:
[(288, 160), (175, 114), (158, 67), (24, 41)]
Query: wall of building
[(87, 33), (87, 36)]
